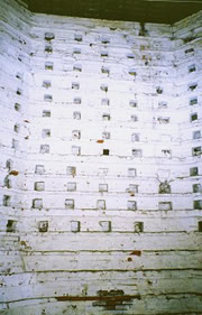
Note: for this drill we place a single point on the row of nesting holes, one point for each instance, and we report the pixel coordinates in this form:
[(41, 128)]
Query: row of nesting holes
[(75, 226), (76, 134), (49, 65), (69, 203), (163, 188), (138, 153)]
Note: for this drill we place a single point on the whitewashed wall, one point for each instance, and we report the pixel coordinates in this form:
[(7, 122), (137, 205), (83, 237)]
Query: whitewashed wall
[(124, 247)]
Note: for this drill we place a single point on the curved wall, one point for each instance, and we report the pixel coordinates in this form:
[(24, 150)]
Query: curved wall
[(15, 69)]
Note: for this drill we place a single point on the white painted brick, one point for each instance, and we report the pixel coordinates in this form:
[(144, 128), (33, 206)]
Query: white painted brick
[(50, 196)]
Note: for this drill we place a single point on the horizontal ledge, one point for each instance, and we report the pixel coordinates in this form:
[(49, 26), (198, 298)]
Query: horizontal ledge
[(100, 270), (131, 252)]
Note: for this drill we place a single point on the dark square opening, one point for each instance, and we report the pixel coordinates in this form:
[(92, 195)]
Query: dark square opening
[(105, 151)]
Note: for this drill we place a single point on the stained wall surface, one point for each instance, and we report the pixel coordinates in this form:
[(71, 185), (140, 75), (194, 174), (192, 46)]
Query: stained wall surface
[(100, 165)]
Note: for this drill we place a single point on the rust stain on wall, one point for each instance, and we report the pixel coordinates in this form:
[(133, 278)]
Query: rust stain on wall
[(136, 253), (14, 173)]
